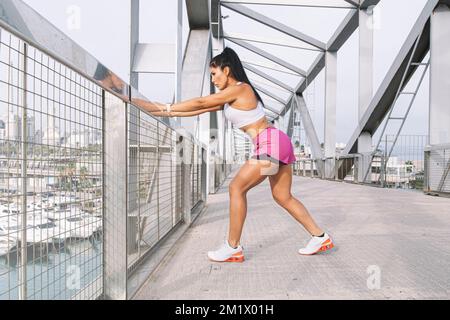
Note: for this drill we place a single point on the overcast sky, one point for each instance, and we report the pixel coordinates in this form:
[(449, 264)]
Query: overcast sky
[(102, 28)]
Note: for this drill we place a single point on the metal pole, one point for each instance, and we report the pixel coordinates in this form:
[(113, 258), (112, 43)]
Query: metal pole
[(366, 70), (330, 114), (186, 189), (138, 162), (158, 143), (179, 50), (439, 131), (23, 246), (336, 169), (384, 164), (134, 40)]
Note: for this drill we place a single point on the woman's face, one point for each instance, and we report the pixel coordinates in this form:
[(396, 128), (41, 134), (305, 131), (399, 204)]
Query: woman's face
[(220, 77)]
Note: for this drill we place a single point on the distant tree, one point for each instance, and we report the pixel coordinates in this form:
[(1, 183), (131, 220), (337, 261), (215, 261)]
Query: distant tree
[(66, 175), (84, 180)]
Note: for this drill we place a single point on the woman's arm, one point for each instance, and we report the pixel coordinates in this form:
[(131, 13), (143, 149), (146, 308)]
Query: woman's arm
[(194, 113), (152, 107), (228, 95), (186, 114)]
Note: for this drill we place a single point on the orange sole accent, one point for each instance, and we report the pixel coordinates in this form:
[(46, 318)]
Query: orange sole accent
[(326, 246), (237, 257)]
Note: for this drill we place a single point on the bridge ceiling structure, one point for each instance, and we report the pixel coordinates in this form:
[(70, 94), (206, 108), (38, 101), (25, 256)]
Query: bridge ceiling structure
[(282, 47)]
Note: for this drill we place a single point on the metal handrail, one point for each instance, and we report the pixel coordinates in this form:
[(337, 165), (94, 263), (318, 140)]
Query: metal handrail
[(24, 22)]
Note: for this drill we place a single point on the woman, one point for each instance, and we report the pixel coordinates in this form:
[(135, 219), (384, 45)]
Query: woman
[(273, 153)]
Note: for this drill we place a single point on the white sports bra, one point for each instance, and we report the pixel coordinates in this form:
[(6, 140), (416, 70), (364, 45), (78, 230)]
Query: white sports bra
[(240, 118)]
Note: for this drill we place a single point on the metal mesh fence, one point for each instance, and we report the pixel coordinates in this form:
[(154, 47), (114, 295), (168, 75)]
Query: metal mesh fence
[(243, 146), (51, 177), (306, 168), (405, 166), (196, 175), (53, 169), (154, 201), (437, 167)]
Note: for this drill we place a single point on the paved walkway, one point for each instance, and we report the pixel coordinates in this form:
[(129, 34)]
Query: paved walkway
[(400, 236)]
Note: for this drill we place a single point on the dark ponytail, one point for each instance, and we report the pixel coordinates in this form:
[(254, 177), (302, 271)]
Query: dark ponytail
[(229, 58)]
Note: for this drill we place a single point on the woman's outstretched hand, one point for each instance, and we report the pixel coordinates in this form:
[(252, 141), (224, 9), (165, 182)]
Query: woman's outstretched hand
[(154, 108), (148, 105)]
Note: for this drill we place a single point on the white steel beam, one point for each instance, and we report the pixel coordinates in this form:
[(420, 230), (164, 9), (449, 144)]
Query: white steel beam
[(215, 19), (198, 14), (365, 86), (439, 121), (289, 128), (270, 67), (270, 94), (179, 51), (335, 4), (194, 69), (134, 40), (315, 69), (275, 25), (269, 56), (335, 44), (364, 4), (271, 109), (287, 43), (316, 150), (388, 88), (366, 44), (312, 73), (330, 112), (353, 2), (344, 31), (267, 77)]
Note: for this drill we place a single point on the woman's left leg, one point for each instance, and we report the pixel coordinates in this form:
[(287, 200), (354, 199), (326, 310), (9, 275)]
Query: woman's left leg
[(281, 192), (280, 184)]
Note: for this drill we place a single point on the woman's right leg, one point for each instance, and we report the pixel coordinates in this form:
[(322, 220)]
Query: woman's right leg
[(249, 175), (252, 173)]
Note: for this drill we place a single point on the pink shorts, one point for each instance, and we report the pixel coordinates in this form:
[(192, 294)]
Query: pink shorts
[(274, 145)]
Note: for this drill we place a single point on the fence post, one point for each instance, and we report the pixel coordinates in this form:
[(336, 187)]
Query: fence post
[(336, 169), (186, 180), (204, 173), (23, 224), (356, 166), (426, 172), (115, 198), (382, 171)]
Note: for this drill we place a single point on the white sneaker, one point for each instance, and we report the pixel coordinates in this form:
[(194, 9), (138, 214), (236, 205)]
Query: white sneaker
[(317, 244), (226, 253)]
